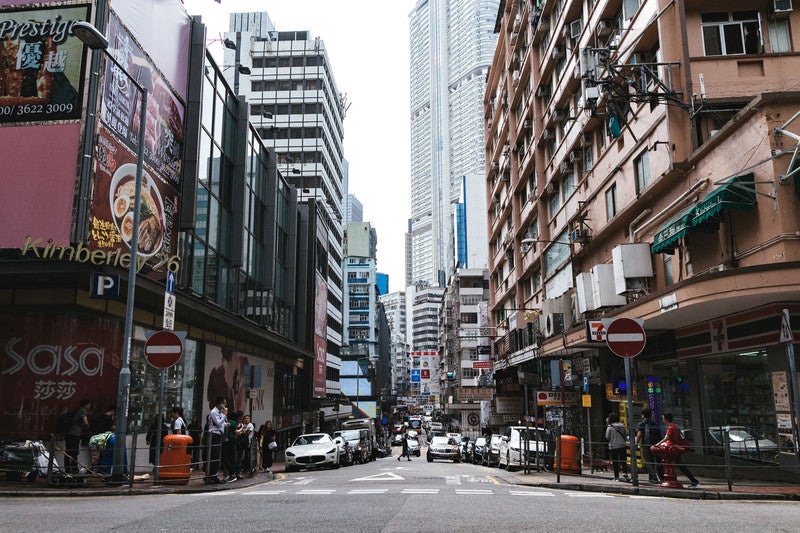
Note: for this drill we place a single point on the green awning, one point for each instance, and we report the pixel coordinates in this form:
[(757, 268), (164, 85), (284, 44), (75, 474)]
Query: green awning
[(667, 239), (737, 193)]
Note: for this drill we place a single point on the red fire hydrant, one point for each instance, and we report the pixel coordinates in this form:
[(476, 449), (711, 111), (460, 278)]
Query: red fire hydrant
[(668, 454)]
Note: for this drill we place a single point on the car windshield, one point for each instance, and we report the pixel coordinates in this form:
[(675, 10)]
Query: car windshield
[(350, 434), (441, 441), (480, 441), (531, 434), (314, 438), (739, 435)]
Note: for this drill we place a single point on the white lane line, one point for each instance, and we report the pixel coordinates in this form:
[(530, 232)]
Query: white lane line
[(316, 491), (587, 495), (420, 491), (474, 491), (262, 492), (527, 493), (368, 491)]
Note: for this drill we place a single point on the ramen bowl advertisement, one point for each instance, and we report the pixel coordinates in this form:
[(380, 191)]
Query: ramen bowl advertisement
[(112, 221)]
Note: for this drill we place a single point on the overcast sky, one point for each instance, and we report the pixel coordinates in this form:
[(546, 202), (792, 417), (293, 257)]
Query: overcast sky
[(367, 43)]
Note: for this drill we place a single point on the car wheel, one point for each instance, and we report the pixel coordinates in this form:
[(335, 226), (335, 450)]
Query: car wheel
[(291, 468), (508, 464)]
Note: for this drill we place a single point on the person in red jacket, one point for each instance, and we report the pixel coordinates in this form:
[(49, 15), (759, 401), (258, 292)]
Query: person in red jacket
[(674, 437)]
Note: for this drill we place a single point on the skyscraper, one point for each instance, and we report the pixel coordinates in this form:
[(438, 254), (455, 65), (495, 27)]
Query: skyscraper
[(452, 43), (298, 110)]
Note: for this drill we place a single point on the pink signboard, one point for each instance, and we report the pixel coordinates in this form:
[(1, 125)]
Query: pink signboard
[(320, 337), (48, 364)]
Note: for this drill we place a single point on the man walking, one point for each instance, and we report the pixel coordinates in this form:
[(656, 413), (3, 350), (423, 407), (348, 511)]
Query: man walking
[(405, 451), (648, 433), (217, 425)]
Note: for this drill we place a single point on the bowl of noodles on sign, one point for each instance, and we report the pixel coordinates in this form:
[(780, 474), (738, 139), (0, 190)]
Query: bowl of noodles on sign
[(151, 214)]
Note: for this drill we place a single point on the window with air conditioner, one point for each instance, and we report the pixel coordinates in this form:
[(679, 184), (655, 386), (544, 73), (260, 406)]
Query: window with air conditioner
[(731, 33), (782, 6)]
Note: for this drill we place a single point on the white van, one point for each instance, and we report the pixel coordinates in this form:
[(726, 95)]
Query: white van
[(512, 447)]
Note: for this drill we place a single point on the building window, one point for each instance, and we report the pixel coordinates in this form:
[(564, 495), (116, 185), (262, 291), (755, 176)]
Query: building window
[(733, 33), (611, 201), (630, 7), (669, 278), (641, 167), (779, 37)]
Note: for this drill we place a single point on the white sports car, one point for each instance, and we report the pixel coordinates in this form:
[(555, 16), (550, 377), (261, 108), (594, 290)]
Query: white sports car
[(313, 450)]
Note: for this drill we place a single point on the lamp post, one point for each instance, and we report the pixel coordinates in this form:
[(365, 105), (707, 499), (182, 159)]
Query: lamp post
[(95, 40)]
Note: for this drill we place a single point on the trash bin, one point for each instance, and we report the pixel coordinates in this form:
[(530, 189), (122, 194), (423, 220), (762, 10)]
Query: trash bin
[(175, 460), (570, 453)]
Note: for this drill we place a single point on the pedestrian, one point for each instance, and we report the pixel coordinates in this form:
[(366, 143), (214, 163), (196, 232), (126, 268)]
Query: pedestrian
[(178, 425), (648, 433), (72, 439), (217, 423), (268, 443), (246, 443), (674, 437), (231, 451), (405, 451), (196, 432), (616, 435), (104, 422)]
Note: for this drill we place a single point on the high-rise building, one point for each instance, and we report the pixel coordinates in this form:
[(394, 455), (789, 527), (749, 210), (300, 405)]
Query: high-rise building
[(452, 43), (394, 305), (298, 111)]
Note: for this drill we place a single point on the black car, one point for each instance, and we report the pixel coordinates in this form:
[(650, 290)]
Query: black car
[(478, 451)]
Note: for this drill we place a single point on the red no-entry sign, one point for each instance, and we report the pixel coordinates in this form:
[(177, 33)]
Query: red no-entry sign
[(163, 349), (626, 337)]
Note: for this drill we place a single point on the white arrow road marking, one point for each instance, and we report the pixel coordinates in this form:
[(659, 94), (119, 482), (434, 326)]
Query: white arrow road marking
[(474, 491), (527, 493), (368, 491), (420, 491), (386, 476), (316, 491)]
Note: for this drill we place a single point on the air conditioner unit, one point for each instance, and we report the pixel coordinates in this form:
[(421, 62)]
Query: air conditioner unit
[(604, 28), (575, 28), (544, 23), (528, 124), (553, 324), (543, 91), (574, 156), (613, 42), (548, 133), (515, 78), (782, 6), (558, 52), (578, 235), (495, 166), (558, 115), (564, 167), (633, 265), (514, 36), (549, 188)]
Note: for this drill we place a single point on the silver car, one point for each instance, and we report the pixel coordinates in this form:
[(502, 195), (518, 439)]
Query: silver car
[(443, 448), (743, 443)]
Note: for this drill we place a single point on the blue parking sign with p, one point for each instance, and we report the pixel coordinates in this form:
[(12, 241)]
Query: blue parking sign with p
[(104, 285)]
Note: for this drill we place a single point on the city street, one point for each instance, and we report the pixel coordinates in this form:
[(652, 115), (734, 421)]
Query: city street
[(387, 495)]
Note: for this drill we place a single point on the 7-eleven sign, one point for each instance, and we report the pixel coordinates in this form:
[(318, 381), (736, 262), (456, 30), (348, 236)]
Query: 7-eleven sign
[(596, 330)]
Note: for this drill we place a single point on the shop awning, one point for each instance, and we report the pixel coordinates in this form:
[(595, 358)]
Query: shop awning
[(737, 193), (667, 239)]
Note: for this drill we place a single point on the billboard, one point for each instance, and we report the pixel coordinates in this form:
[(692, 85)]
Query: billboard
[(320, 337), (42, 64), (49, 363), (247, 382)]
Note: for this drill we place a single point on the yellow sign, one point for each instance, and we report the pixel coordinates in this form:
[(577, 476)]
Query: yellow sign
[(586, 400)]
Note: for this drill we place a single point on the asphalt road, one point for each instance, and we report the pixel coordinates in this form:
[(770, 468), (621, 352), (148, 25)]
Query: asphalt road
[(392, 496)]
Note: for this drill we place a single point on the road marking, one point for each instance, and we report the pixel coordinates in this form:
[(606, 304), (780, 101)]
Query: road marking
[(316, 491), (587, 495), (528, 493), (262, 492), (386, 476), (420, 491), (452, 480), (474, 491), (368, 491)]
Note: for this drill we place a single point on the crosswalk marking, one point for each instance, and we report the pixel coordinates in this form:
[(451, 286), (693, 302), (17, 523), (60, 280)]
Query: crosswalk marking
[(420, 491), (260, 492), (368, 491), (474, 491), (316, 491), (529, 493), (587, 495)]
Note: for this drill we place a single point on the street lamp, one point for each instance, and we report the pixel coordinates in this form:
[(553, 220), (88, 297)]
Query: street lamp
[(95, 40)]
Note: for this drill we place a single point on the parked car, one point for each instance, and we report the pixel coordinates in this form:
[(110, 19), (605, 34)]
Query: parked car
[(354, 441), (491, 456), (443, 448), (742, 443), (465, 449), (513, 447), (478, 451), (397, 439), (313, 450)]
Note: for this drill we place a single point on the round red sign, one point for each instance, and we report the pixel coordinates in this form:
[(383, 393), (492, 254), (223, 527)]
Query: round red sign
[(625, 337), (163, 349)]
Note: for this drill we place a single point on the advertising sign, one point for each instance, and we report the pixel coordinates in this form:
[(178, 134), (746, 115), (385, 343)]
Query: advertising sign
[(245, 381), (555, 398), (163, 138), (320, 337), (48, 364), (42, 64)]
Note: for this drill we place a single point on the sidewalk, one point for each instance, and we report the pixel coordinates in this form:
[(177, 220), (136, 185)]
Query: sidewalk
[(709, 489)]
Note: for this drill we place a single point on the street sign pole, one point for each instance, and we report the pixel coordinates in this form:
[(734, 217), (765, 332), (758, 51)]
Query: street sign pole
[(631, 429), (160, 427)]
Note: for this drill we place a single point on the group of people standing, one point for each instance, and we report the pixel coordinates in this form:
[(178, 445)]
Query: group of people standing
[(229, 444), (648, 434)]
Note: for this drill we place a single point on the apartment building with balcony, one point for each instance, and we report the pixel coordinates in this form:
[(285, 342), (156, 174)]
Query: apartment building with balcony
[(640, 164)]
